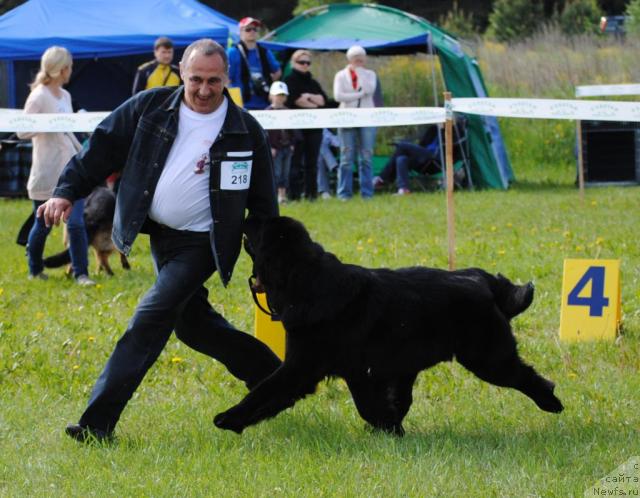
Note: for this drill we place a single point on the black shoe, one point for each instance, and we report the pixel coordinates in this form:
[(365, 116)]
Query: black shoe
[(88, 434)]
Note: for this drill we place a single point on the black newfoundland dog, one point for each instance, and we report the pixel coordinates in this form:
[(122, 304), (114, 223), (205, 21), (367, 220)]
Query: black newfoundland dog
[(378, 328)]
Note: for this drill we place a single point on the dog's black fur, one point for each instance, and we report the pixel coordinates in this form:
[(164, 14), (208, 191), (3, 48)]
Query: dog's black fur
[(99, 208), (378, 328)]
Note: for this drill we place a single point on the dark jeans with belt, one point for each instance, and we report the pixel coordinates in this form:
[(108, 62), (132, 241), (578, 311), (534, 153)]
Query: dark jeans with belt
[(177, 301)]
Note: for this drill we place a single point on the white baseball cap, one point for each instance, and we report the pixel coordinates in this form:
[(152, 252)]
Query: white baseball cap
[(279, 88)]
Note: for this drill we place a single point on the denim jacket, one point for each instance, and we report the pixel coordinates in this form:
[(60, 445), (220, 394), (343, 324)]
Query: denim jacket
[(136, 138)]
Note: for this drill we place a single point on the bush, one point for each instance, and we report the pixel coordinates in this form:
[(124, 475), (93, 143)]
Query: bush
[(460, 23), (632, 23), (580, 17), (513, 20)]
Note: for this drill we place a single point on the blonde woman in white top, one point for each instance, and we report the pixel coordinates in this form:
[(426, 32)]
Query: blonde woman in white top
[(51, 152), (354, 87)]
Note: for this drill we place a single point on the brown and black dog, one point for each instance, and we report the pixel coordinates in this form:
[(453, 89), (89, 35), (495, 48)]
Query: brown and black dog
[(99, 208)]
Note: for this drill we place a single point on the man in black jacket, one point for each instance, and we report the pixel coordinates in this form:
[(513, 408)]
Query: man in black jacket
[(192, 163)]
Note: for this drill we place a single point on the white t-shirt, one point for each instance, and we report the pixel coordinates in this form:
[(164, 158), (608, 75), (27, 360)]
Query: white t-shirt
[(181, 199)]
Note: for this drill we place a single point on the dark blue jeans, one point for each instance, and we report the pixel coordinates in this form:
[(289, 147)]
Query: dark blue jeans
[(177, 301), (78, 243), (405, 158)]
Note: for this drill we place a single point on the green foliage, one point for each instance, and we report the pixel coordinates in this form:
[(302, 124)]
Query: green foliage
[(6, 5), (632, 23), (513, 20), (579, 17), (407, 81), (460, 23), (310, 4)]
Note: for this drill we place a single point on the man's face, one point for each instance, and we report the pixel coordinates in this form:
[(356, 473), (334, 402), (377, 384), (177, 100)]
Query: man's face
[(249, 33), (163, 55), (204, 80)]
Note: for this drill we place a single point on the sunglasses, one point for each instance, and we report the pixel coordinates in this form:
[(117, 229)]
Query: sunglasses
[(304, 63), (250, 28)]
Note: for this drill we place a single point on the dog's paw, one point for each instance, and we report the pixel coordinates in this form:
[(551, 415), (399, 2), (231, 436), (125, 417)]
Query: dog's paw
[(392, 429), (550, 404), (227, 421)]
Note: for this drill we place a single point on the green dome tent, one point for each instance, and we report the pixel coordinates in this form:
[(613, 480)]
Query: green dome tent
[(385, 30)]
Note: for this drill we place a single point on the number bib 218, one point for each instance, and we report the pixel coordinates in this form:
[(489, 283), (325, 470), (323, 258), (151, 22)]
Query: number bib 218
[(235, 175)]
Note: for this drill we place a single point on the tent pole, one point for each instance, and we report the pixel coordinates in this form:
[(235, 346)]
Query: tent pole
[(11, 85), (433, 71), (580, 159), (451, 236), (435, 103)]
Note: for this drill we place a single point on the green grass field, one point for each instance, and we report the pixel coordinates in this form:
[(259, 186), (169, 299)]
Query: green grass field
[(464, 437)]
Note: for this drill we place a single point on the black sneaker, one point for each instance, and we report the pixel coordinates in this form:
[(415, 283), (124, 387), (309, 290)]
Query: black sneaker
[(88, 434)]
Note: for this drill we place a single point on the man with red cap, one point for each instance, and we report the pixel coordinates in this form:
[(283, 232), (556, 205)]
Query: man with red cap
[(252, 68)]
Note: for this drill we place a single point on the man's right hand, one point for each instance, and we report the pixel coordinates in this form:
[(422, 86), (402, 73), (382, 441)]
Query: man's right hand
[(54, 210)]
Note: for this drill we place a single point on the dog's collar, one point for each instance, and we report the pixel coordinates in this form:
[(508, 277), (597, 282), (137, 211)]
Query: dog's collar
[(254, 293)]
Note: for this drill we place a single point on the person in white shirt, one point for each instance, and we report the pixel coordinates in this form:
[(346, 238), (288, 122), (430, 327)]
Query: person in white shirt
[(354, 87), (51, 151)]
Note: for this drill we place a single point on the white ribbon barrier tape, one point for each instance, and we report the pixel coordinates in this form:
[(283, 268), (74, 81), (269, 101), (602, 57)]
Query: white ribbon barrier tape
[(550, 109), (604, 90), (12, 121), (349, 118), (21, 122)]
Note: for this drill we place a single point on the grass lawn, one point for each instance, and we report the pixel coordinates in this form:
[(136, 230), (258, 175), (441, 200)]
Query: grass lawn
[(464, 437)]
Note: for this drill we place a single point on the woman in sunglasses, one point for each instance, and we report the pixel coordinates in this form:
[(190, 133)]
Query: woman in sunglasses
[(304, 93)]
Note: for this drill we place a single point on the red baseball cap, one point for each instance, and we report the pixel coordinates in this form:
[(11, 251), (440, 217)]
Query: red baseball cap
[(248, 21)]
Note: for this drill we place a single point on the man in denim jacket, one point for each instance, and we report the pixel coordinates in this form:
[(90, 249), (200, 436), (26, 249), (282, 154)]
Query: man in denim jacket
[(191, 163)]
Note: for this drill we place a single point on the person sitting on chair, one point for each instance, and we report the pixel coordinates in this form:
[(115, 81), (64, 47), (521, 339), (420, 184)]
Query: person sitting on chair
[(423, 158)]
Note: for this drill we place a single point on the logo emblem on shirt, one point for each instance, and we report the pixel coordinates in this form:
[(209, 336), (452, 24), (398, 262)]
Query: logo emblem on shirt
[(240, 165), (201, 164)]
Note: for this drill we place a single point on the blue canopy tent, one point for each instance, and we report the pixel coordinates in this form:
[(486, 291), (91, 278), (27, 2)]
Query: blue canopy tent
[(385, 30), (108, 40)]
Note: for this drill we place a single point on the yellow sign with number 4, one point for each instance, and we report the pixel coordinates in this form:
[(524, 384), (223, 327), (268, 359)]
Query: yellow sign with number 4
[(590, 299)]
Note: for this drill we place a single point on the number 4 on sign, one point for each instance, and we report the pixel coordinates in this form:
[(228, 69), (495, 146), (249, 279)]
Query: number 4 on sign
[(590, 299)]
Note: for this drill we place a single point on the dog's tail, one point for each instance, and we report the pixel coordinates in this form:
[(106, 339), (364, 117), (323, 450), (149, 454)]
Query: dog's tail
[(58, 260), (512, 299)]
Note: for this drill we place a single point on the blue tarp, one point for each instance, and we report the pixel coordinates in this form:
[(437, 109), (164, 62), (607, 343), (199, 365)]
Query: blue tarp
[(107, 28), (107, 38)]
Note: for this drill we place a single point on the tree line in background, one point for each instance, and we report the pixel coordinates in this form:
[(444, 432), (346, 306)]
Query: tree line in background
[(504, 20)]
